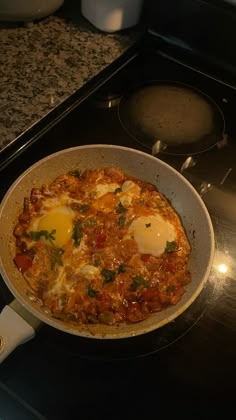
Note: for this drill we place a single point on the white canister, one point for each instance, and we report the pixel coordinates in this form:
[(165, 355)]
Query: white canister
[(112, 15)]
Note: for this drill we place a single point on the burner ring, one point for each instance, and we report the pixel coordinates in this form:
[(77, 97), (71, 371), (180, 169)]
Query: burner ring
[(172, 118)]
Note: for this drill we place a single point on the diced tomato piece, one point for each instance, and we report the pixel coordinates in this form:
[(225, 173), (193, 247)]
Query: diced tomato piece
[(184, 278), (154, 305), (135, 313), (170, 267), (104, 302), (165, 298), (100, 240), (23, 262), (150, 294), (177, 296), (114, 174), (145, 257)]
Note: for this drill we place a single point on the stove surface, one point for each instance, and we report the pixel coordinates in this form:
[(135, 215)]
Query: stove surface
[(196, 353)]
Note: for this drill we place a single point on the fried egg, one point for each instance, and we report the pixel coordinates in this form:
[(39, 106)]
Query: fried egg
[(59, 219), (151, 234)]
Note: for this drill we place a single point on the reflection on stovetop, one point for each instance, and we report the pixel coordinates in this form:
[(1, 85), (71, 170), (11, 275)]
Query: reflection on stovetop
[(211, 318)]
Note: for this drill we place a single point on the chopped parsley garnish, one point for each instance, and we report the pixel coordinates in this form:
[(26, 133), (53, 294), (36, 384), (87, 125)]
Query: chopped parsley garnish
[(55, 256), (84, 207), (122, 268), (36, 235), (148, 225), (120, 208), (77, 233), (139, 281), (171, 288), (117, 191), (92, 292), (142, 201), (121, 221), (171, 247), (91, 221), (109, 275)]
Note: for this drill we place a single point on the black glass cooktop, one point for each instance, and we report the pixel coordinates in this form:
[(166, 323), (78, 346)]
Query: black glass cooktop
[(189, 363)]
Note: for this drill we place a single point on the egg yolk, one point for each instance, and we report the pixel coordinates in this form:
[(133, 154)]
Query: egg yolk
[(151, 234), (59, 219)]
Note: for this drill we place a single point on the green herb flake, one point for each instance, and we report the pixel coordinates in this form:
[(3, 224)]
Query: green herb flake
[(36, 235), (120, 208), (117, 191), (142, 201), (148, 225), (109, 275), (121, 221), (84, 207), (55, 255), (122, 268), (171, 288), (91, 221), (139, 281), (171, 247), (77, 233), (92, 292)]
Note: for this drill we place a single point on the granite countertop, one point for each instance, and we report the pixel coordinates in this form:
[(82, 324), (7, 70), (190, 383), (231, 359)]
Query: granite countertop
[(42, 64)]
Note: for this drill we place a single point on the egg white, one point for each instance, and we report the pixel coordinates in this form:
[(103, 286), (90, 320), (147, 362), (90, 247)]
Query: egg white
[(151, 234), (102, 189), (129, 191)]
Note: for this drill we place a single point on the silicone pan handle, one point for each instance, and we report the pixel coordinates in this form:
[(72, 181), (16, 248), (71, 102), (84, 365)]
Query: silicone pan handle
[(17, 326)]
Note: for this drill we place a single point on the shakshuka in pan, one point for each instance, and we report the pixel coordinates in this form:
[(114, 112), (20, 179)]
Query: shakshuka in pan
[(102, 247)]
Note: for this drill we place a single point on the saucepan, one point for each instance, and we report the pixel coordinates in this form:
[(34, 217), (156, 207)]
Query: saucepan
[(19, 320)]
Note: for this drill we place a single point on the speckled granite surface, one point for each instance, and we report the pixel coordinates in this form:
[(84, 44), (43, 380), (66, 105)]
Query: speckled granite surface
[(43, 64)]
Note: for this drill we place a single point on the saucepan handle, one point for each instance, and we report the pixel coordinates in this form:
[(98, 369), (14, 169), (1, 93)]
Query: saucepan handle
[(17, 326)]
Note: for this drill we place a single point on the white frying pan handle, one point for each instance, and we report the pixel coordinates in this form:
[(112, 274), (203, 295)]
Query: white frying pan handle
[(14, 330)]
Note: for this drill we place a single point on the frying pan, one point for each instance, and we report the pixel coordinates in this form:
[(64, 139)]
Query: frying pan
[(19, 320)]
